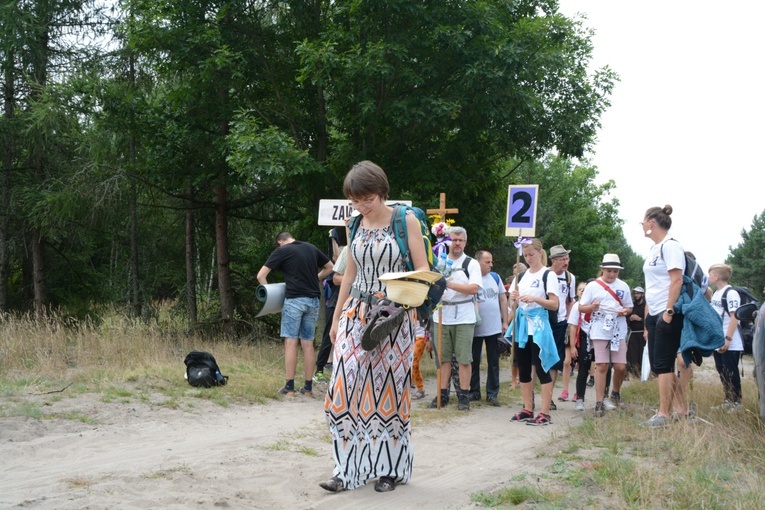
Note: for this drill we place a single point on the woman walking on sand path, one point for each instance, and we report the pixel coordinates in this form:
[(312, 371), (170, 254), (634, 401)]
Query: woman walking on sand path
[(368, 400)]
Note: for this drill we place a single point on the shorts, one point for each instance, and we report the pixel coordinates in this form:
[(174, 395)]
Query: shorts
[(663, 342), (457, 341), (604, 354), (299, 316)]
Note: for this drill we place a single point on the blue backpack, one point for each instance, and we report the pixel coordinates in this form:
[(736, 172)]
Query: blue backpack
[(401, 235)]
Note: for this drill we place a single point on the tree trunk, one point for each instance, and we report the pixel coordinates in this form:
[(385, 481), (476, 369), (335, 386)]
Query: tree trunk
[(191, 253), (221, 244), (38, 274), (9, 97), (135, 285)]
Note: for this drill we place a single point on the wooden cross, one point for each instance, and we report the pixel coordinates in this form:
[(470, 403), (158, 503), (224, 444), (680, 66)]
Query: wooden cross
[(442, 210)]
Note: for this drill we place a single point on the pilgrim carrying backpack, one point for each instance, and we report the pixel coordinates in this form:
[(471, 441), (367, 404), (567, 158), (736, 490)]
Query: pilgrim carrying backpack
[(202, 371), (401, 235), (745, 326)]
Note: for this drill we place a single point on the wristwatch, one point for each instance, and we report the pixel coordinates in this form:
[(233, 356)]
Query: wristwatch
[(728, 339), (671, 312)]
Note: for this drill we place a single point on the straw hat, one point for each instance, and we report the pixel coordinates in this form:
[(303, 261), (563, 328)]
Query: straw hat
[(611, 261), (410, 287)]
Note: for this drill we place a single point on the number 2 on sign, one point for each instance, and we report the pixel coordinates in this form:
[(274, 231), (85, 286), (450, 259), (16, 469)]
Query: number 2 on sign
[(522, 210)]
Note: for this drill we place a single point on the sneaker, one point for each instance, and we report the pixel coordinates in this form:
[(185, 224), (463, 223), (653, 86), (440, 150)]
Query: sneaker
[(579, 405), (591, 382), (616, 399), (735, 407), (524, 415), (608, 405), (563, 396), (463, 402), (576, 397), (418, 395), (599, 409), (541, 419), (492, 401), (319, 377), (725, 406), (553, 407), (305, 392), (655, 421), (287, 393)]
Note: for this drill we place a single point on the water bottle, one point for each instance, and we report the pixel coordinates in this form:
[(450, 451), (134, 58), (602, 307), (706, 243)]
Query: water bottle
[(448, 270), (441, 264)]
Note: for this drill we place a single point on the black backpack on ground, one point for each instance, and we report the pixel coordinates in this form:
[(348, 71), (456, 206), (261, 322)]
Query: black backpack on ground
[(745, 326), (202, 371)]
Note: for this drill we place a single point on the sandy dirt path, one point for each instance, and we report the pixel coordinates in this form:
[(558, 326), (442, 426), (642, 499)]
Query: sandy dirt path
[(268, 456)]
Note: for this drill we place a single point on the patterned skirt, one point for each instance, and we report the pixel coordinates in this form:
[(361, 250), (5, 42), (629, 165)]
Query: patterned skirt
[(368, 401)]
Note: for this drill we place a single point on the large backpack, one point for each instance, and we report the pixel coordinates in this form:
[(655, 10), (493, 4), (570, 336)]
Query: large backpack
[(401, 235), (745, 326), (692, 269), (202, 371)]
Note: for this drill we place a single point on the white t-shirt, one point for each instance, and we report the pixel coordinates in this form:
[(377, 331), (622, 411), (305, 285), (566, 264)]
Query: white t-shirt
[(605, 323), (488, 306), (576, 318), (566, 290), (734, 299), (531, 284), (656, 270), (463, 313)]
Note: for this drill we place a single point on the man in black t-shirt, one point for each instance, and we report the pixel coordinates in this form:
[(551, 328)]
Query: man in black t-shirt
[(299, 262)]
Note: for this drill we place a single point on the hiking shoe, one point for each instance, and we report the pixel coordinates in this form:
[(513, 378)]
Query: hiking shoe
[(608, 404), (463, 402), (591, 382), (599, 410), (474, 397), (524, 415), (725, 406), (553, 407), (418, 395), (541, 419), (319, 377), (579, 405), (656, 421), (444, 401), (492, 401), (287, 393), (306, 392), (563, 396), (616, 399)]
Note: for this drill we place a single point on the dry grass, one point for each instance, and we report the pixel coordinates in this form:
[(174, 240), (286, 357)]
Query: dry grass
[(712, 463)]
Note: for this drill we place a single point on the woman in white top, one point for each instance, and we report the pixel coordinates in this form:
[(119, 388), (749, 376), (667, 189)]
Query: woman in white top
[(609, 301), (530, 294)]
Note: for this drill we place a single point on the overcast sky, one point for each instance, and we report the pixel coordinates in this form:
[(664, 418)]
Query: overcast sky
[(686, 119)]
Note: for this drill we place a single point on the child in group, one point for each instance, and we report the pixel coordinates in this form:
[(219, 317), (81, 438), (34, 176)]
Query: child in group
[(727, 357)]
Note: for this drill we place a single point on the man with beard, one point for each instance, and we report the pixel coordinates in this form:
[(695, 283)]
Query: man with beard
[(636, 340)]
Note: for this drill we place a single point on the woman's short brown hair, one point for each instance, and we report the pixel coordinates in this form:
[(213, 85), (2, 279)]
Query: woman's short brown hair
[(366, 178)]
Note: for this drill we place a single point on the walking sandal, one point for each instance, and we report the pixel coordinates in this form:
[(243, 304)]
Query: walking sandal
[(385, 318), (385, 484)]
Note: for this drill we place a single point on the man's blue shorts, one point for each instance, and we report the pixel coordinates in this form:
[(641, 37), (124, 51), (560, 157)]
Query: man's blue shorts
[(299, 316)]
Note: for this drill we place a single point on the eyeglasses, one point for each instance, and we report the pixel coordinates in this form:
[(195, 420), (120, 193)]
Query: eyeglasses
[(459, 240)]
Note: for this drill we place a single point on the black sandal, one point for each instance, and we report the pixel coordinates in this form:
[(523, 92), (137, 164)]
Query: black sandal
[(335, 484), (385, 484)]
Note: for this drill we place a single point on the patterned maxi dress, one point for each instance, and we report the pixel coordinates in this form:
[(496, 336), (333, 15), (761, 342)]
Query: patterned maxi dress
[(367, 403)]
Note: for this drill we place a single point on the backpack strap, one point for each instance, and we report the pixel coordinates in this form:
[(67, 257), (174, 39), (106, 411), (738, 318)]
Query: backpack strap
[(496, 277), (610, 291), (401, 233), (544, 280), (465, 264), (724, 300)]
